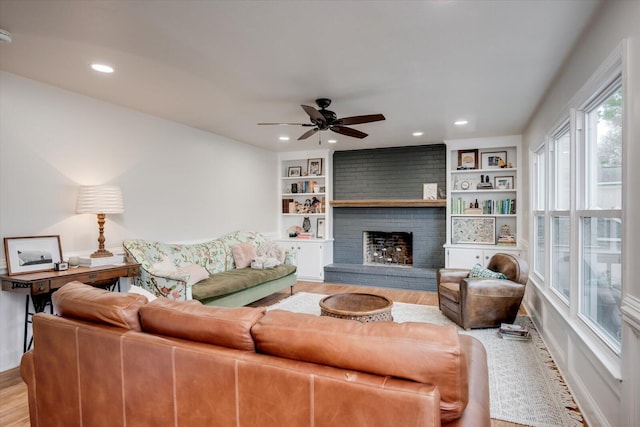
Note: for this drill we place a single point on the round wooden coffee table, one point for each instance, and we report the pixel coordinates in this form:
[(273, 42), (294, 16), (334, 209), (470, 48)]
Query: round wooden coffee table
[(356, 306)]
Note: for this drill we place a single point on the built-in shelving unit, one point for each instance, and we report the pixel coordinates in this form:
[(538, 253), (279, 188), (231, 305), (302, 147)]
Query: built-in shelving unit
[(483, 189), (304, 192)]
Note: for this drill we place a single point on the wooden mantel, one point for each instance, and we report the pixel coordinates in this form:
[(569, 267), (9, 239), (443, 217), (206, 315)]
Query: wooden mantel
[(389, 203)]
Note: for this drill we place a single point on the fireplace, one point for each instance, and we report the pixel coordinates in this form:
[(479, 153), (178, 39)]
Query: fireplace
[(391, 249)]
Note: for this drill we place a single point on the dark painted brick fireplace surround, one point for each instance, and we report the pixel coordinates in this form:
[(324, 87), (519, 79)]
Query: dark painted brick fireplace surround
[(383, 174)]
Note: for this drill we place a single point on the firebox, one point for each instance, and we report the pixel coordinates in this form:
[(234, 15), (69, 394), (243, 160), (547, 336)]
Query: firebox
[(394, 249)]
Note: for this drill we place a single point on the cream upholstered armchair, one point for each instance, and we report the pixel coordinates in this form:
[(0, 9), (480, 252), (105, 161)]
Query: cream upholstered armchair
[(483, 302)]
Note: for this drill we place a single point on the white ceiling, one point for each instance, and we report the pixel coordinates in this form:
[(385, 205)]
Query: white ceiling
[(223, 66)]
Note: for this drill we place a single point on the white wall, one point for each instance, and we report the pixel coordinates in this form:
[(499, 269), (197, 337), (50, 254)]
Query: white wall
[(178, 183), (604, 399)]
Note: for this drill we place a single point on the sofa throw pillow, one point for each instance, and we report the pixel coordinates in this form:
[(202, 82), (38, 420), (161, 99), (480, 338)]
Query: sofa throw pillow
[(196, 273), (243, 254), (164, 267), (271, 249), (480, 271), (133, 289)]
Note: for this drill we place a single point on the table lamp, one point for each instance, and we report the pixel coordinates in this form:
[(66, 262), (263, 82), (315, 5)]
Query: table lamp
[(100, 200)]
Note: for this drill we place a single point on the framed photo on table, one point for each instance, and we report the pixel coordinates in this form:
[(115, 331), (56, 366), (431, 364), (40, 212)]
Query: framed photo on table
[(32, 253)]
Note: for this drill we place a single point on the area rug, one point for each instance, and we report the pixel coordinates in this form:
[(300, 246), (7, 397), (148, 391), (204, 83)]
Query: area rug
[(524, 385)]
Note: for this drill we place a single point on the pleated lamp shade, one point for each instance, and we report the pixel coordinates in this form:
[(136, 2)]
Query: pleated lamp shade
[(100, 200), (96, 199)]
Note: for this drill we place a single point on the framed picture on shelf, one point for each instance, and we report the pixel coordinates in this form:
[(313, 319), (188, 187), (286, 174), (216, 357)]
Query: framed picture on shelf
[(468, 159), (314, 167), (494, 159), (503, 182), (294, 171), (430, 191), (320, 228), (31, 254), (473, 230)]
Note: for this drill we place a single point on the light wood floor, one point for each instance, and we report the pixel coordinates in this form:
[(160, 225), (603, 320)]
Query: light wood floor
[(14, 409)]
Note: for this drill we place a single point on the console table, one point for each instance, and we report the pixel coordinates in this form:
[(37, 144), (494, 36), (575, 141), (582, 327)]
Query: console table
[(39, 286)]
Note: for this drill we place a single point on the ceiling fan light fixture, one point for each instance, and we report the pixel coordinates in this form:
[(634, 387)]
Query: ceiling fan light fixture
[(102, 68), (460, 122), (418, 133)]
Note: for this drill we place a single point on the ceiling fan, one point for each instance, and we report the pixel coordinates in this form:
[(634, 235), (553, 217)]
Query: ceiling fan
[(324, 119)]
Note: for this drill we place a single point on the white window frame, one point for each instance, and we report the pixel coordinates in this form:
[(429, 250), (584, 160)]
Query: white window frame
[(564, 127), (612, 68), (608, 85), (540, 203)]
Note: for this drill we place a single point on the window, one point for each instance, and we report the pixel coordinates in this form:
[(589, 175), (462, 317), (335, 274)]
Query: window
[(600, 281), (560, 219), (561, 256), (603, 125), (562, 169), (602, 275), (576, 206), (539, 205)]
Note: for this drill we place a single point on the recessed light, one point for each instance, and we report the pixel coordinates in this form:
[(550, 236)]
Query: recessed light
[(418, 133), (460, 122), (284, 138), (102, 68), (332, 141)]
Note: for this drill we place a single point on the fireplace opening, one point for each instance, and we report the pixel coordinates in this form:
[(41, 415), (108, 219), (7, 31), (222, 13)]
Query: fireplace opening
[(394, 249)]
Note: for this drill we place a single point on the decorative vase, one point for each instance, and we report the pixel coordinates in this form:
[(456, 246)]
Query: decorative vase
[(306, 224)]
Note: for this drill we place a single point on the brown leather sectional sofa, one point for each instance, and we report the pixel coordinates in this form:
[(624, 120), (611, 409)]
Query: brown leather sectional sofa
[(114, 359)]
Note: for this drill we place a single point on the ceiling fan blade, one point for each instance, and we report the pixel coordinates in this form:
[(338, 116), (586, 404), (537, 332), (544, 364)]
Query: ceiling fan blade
[(361, 119), (349, 131), (287, 124), (308, 133), (315, 115)]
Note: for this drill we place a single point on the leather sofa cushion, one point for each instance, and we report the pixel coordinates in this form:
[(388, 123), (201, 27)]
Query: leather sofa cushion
[(85, 302), (190, 320), (420, 352)]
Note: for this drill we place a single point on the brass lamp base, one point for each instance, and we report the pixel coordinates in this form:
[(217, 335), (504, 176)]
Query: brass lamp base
[(101, 253)]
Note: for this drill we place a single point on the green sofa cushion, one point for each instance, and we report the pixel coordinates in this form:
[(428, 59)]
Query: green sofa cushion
[(235, 280)]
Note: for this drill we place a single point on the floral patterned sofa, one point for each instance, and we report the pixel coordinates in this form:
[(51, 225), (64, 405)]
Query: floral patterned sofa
[(223, 284)]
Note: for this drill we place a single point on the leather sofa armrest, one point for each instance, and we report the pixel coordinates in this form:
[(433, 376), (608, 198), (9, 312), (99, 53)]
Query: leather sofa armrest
[(452, 275), (28, 374), (491, 287)]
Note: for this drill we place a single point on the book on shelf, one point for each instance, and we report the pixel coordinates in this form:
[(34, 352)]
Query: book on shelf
[(305, 236), (507, 240), (98, 262), (485, 207)]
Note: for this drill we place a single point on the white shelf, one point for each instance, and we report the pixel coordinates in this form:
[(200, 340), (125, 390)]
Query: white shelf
[(495, 190), (304, 178), (489, 215), (483, 171), (289, 195), (303, 214)]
